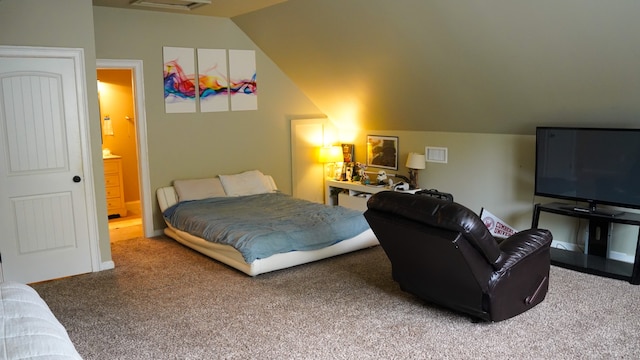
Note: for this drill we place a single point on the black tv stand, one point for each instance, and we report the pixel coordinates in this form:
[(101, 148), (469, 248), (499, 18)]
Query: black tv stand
[(596, 211), (595, 260)]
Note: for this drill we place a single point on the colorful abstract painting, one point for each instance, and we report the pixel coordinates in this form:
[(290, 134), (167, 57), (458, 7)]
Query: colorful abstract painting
[(242, 80), (179, 80), (212, 80)]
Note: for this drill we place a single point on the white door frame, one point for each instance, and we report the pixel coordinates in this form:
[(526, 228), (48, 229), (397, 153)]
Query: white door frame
[(141, 135)]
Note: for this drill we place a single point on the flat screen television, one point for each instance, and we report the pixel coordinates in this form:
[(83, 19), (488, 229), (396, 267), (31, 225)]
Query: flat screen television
[(589, 165)]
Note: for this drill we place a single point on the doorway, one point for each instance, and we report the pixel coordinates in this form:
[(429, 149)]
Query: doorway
[(116, 103), (123, 123)]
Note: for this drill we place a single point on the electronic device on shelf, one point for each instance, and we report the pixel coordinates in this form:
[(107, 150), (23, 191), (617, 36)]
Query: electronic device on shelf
[(401, 186), (596, 166)]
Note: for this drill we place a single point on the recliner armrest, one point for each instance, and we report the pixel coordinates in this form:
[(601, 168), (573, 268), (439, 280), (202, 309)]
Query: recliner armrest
[(522, 244)]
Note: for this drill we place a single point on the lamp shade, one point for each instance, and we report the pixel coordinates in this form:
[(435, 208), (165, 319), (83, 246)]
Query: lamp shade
[(330, 154), (416, 161)]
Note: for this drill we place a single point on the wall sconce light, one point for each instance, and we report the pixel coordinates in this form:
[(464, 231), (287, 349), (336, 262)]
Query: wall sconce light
[(331, 155), (415, 162)]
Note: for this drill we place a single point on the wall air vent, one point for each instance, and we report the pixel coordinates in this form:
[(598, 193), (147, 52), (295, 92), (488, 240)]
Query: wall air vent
[(171, 4)]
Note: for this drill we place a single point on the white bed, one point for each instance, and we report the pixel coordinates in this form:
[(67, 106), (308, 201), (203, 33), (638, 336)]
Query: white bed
[(28, 328), (239, 185)]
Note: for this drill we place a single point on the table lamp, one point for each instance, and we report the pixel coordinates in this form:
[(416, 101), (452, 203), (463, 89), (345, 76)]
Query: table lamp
[(415, 162)]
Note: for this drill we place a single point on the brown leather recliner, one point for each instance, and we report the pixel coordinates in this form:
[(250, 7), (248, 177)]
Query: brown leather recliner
[(442, 252)]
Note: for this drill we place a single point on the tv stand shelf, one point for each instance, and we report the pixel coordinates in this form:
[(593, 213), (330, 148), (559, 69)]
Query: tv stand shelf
[(595, 261)]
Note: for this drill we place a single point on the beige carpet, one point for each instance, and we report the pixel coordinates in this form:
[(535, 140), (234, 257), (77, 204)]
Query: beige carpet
[(164, 301)]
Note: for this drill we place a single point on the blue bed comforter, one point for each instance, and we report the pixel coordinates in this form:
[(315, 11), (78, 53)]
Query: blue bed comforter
[(259, 226)]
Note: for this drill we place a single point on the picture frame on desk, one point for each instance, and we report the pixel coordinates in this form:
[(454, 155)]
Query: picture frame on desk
[(382, 151), (348, 152), (347, 165)]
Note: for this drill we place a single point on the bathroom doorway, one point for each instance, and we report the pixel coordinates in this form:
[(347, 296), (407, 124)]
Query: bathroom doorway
[(123, 124)]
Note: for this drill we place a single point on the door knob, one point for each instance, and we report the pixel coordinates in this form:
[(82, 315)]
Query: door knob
[(77, 179)]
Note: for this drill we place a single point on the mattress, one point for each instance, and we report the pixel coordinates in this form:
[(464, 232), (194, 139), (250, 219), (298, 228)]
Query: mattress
[(232, 257)]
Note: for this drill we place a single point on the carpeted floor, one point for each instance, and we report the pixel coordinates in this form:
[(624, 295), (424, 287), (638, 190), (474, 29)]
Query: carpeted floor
[(165, 301)]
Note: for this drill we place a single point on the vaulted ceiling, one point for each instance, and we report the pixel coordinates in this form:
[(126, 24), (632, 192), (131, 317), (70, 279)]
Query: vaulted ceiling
[(489, 66)]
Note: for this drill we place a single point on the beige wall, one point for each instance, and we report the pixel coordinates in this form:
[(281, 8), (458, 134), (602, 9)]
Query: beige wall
[(203, 144), (494, 171), (63, 23)]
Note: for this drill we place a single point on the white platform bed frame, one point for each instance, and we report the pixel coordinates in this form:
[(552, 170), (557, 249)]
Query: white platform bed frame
[(226, 254)]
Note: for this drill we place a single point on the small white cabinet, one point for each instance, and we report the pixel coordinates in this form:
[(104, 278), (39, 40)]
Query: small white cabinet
[(353, 201), (114, 186)]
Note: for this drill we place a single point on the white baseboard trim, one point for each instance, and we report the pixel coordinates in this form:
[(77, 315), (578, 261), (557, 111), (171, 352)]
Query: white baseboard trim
[(620, 256), (107, 265), (564, 245), (158, 232)]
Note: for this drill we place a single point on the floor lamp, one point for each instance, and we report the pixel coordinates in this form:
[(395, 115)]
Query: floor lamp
[(330, 155)]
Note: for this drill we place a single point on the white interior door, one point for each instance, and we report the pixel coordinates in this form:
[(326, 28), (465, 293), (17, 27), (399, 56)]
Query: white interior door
[(307, 136), (43, 196)]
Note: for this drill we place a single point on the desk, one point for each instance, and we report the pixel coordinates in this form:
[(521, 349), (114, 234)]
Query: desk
[(352, 194), (594, 260)]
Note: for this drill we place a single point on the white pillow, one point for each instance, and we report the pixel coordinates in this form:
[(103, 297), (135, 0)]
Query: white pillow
[(247, 183), (271, 183), (197, 189)]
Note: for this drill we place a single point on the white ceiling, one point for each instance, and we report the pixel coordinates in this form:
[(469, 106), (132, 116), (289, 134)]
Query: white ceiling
[(220, 8)]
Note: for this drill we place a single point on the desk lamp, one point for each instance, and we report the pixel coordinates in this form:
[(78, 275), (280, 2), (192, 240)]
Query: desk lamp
[(415, 162)]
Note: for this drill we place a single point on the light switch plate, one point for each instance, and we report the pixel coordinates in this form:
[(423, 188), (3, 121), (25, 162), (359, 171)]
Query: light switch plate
[(436, 154)]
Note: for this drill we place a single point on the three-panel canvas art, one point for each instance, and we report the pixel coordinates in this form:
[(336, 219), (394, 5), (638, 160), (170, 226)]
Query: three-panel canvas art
[(223, 80)]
